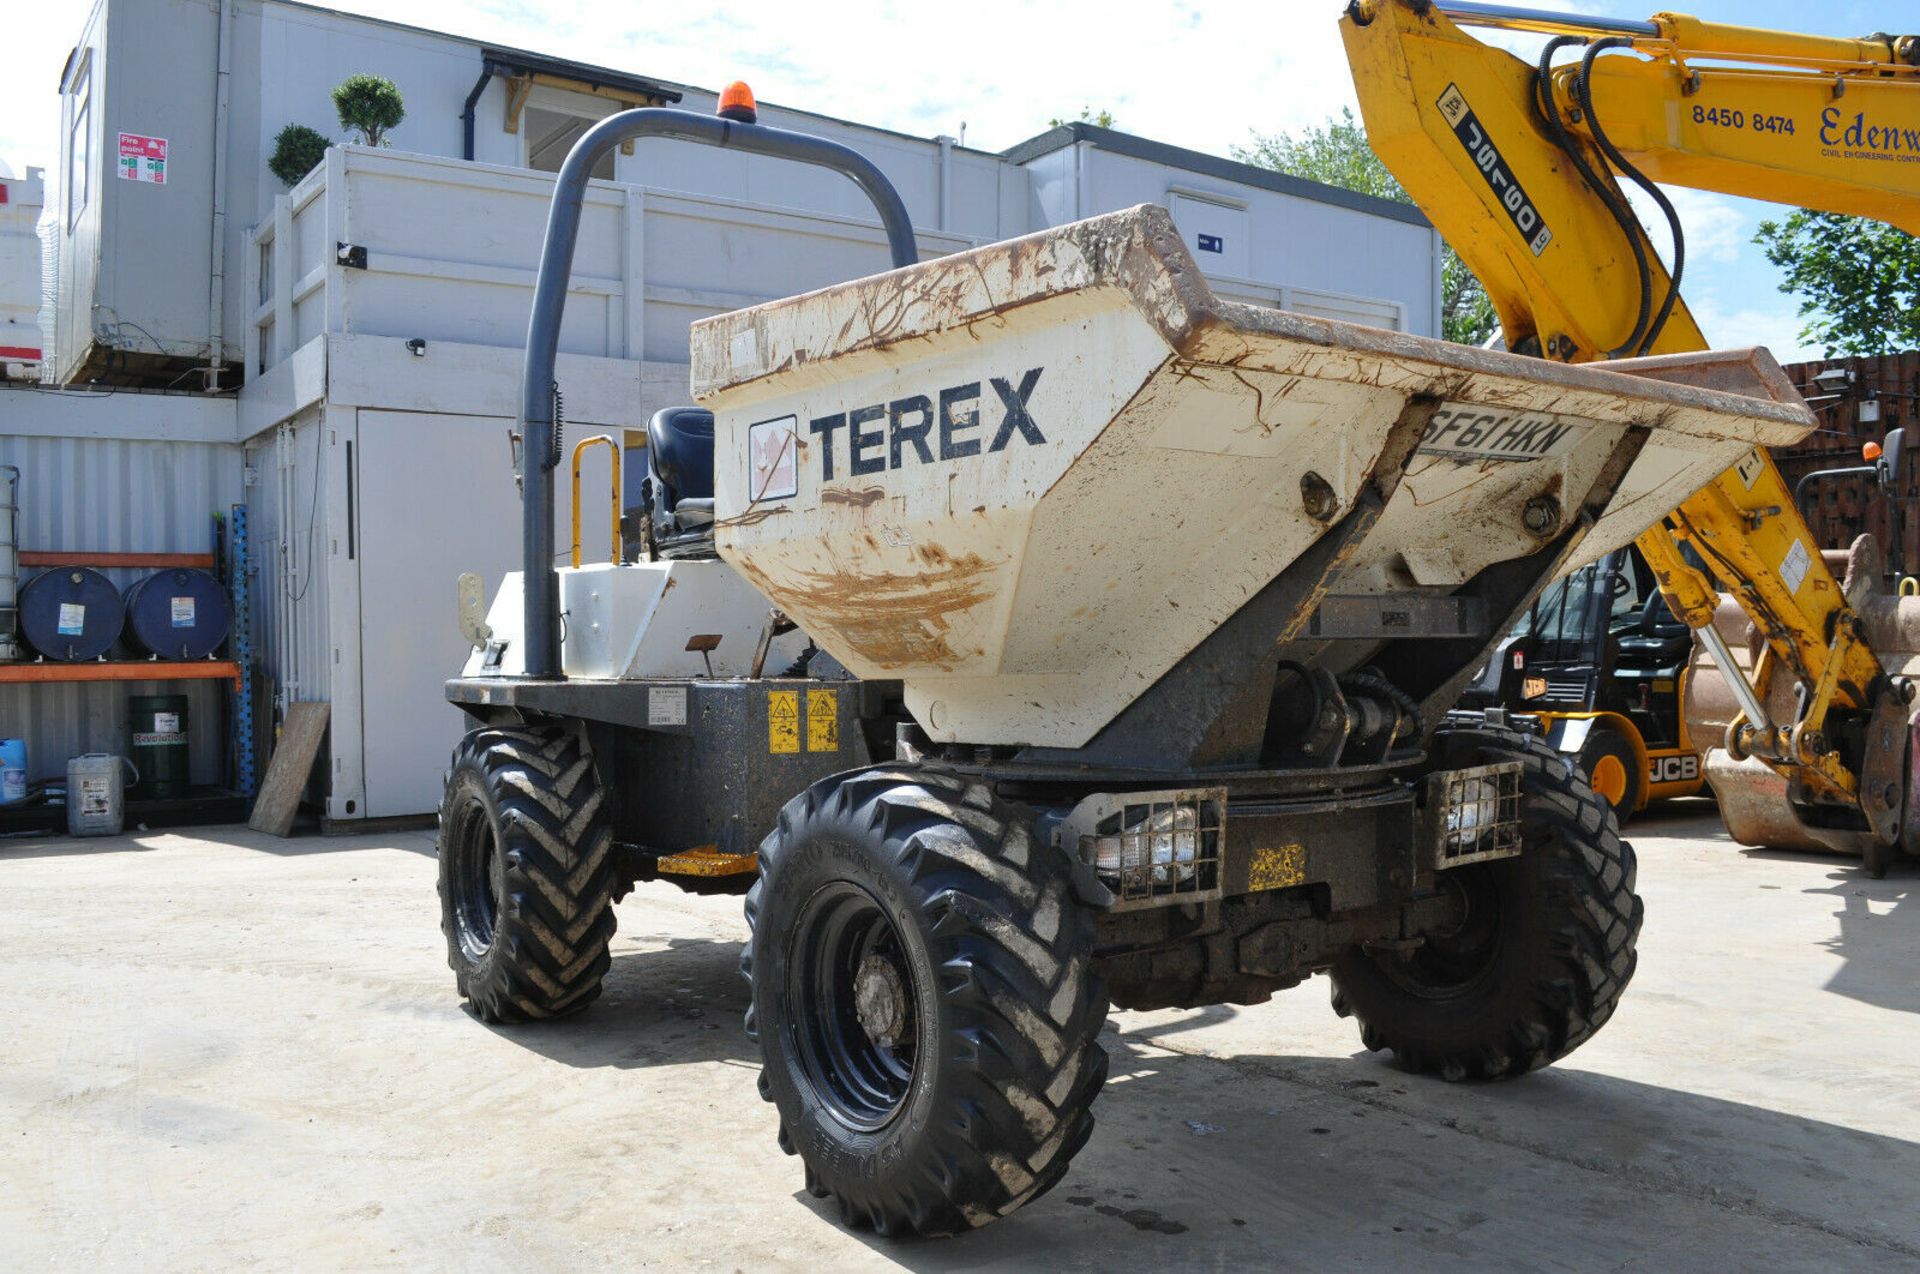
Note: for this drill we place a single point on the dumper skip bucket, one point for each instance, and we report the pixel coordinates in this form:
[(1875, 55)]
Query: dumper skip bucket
[(1028, 479)]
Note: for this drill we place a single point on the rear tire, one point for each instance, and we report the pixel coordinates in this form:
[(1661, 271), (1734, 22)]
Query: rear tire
[(1613, 770), (526, 873), (923, 1001), (1545, 950)]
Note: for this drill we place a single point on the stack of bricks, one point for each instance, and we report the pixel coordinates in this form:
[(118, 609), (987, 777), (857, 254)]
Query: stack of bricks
[(1838, 509)]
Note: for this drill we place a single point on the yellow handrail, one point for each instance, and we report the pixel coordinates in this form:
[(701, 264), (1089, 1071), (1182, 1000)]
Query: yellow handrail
[(619, 544)]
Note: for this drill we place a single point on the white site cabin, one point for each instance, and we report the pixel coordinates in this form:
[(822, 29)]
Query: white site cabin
[(372, 316)]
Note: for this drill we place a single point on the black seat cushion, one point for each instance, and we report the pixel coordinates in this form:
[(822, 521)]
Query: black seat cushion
[(680, 453), (1655, 652)]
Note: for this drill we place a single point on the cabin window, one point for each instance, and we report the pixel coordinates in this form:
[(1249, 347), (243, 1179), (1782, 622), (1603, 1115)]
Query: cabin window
[(551, 134), (79, 142)]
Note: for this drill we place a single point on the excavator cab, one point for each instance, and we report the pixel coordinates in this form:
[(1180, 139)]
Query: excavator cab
[(1600, 662)]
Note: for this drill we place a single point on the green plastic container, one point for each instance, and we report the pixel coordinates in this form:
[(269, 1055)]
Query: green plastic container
[(159, 745)]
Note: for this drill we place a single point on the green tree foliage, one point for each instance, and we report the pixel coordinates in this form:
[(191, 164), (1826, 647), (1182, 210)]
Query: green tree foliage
[(297, 151), (1858, 280), (1102, 118), (370, 106), (1337, 153)]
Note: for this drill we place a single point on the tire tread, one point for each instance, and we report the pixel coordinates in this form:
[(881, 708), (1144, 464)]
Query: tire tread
[(1011, 956), (1594, 920), (556, 922)]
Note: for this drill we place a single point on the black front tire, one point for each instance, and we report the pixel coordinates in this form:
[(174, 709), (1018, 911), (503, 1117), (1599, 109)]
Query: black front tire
[(1543, 953), (527, 873), (923, 1001)]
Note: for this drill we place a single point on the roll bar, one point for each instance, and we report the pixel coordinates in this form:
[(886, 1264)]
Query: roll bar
[(540, 451)]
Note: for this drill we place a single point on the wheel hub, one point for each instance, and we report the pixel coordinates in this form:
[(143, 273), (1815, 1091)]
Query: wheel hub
[(1609, 779), (1460, 949), (851, 991), (880, 1000), (478, 880)]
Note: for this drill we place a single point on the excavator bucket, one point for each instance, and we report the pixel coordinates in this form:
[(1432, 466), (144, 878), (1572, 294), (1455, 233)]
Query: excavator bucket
[(1754, 799), (1031, 479)]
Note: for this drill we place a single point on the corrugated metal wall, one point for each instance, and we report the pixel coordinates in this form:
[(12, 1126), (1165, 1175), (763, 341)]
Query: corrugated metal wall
[(116, 495), (65, 719), (112, 495)]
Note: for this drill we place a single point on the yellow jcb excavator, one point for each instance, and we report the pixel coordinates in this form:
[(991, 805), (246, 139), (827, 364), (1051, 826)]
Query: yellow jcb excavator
[(1520, 165)]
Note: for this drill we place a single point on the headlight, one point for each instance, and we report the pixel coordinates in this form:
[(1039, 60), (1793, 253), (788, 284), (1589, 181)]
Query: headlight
[(1167, 840)]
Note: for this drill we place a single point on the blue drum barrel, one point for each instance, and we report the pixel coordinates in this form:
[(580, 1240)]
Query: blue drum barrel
[(70, 613), (177, 614)]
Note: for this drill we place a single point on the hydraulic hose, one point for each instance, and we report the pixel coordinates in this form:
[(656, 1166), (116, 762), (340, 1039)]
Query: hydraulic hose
[(1583, 89), (1602, 188), (1378, 687)]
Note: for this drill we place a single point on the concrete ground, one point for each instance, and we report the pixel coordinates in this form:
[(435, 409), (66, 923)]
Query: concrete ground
[(226, 1050)]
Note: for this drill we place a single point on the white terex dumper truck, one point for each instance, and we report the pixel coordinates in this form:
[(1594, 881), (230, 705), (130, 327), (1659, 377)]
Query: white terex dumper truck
[(1115, 626)]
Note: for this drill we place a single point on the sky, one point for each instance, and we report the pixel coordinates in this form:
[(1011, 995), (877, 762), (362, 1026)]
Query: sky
[(1205, 75)]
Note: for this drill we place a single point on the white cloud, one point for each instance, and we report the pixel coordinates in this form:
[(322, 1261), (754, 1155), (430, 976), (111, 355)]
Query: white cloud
[(1716, 226), (38, 38), (1776, 327)]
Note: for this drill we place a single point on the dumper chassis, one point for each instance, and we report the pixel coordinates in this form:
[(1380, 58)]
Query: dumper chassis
[(931, 970), (953, 866)]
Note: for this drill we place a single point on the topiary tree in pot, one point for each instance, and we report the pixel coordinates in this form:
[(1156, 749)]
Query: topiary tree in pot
[(297, 151), (370, 106)]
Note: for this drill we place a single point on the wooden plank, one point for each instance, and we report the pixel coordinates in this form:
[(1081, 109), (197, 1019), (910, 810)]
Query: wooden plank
[(53, 557), (293, 759), (123, 670)]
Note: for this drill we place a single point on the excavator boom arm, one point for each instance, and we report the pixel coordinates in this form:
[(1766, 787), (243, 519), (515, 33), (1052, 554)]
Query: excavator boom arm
[(1519, 167)]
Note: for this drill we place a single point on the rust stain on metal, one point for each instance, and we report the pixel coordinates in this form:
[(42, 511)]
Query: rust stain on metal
[(898, 620), (858, 499)]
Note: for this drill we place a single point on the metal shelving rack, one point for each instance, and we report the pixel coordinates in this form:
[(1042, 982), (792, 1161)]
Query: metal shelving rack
[(42, 670), (240, 644), (231, 804)]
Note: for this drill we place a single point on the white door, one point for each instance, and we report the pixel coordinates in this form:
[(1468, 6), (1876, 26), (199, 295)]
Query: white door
[(433, 497)]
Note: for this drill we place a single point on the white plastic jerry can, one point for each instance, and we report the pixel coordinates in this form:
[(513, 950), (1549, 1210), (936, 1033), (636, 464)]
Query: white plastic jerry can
[(96, 794)]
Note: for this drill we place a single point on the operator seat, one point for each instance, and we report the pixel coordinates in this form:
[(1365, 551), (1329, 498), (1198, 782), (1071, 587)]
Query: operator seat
[(1662, 640), (680, 481)]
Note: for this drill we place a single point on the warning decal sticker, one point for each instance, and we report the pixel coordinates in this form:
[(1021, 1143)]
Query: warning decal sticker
[(823, 720), (783, 721), (773, 467), (1794, 569)]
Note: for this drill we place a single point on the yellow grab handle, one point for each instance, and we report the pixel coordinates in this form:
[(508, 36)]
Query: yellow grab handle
[(1909, 586), (579, 448)]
